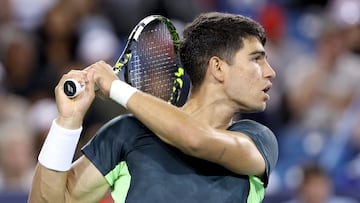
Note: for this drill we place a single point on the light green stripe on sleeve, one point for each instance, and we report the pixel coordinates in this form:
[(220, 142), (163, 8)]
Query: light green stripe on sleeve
[(119, 180), (257, 191)]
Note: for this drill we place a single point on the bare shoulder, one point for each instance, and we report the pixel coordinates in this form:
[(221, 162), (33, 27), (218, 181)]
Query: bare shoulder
[(85, 182), (82, 183)]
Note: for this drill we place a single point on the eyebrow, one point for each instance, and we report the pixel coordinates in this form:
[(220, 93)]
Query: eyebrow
[(258, 52)]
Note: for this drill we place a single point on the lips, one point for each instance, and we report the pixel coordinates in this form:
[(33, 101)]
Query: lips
[(267, 88)]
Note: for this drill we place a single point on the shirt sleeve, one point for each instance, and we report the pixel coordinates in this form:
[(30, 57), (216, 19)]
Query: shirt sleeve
[(264, 140), (110, 144)]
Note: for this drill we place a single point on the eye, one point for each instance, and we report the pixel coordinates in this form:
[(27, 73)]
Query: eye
[(261, 58), (257, 59)]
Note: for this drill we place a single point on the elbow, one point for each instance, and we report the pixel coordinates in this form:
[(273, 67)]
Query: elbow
[(197, 145), (190, 144), (193, 140), (192, 147)]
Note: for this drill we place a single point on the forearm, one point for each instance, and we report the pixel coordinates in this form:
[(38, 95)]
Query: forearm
[(166, 121), (55, 160)]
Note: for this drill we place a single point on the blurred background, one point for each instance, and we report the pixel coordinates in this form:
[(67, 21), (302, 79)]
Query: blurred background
[(313, 45)]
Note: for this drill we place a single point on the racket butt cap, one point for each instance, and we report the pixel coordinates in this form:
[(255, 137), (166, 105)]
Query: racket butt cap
[(72, 88)]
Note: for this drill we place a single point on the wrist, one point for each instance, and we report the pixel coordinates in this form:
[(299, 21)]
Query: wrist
[(69, 123), (121, 92), (59, 147)]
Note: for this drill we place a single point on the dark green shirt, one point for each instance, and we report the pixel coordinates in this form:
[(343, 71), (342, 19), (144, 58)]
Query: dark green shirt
[(141, 168)]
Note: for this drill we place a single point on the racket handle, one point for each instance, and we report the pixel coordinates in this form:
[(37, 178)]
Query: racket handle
[(72, 88)]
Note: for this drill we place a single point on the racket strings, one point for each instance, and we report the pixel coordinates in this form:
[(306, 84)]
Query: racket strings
[(153, 62)]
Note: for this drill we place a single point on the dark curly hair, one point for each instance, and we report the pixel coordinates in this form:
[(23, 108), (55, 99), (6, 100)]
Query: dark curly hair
[(215, 34)]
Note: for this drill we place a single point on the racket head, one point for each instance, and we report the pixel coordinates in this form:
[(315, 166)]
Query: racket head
[(150, 61)]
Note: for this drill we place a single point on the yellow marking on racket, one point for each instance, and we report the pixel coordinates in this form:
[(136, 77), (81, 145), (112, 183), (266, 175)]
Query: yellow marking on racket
[(119, 64)]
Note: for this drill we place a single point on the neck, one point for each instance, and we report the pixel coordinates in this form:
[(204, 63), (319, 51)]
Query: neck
[(214, 113)]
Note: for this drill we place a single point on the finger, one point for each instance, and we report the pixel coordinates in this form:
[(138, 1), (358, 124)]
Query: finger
[(79, 75), (75, 80), (91, 82)]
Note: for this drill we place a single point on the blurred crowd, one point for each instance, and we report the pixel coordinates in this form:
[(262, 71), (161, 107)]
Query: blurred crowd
[(314, 110)]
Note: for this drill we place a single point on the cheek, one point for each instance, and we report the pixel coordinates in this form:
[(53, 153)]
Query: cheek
[(241, 86), (250, 79), (244, 77)]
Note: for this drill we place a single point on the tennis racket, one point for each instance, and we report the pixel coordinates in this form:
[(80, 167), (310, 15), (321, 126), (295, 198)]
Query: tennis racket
[(149, 62)]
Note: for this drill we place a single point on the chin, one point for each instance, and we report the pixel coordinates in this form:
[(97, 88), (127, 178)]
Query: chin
[(263, 107), (256, 109), (253, 110)]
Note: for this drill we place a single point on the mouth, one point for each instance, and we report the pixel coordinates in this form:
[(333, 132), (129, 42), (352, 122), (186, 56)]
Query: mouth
[(267, 88)]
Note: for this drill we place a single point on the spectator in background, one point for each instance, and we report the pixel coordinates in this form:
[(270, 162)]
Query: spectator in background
[(12, 108), (322, 85), (352, 167), (342, 157), (17, 159), (29, 14), (19, 56), (5, 12), (58, 40), (316, 187), (40, 115), (321, 88)]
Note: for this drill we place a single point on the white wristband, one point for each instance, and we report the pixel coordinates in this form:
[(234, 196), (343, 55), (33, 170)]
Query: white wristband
[(58, 150), (121, 92)]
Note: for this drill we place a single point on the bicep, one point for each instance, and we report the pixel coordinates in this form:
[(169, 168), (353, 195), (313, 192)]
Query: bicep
[(85, 182)]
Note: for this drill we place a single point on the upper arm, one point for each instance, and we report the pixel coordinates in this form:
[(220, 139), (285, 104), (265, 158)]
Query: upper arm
[(82, 183), (85, 182), (233, 150), (249, 148)]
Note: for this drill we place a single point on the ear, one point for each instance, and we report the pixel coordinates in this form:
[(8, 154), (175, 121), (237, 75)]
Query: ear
[(216, 68)]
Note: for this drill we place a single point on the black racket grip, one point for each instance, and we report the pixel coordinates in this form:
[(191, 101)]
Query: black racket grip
[(72, 88)]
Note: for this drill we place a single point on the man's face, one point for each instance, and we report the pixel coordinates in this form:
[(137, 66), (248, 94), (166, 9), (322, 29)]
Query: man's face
[(249, 77)]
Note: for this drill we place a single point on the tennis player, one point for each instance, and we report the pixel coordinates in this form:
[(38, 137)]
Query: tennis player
[(162, 153)]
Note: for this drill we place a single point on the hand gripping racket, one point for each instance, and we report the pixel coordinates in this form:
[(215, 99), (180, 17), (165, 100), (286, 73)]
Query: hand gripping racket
[(149, 62)]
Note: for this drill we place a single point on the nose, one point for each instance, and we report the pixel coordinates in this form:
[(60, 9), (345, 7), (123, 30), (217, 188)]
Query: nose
[(269, 72)]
